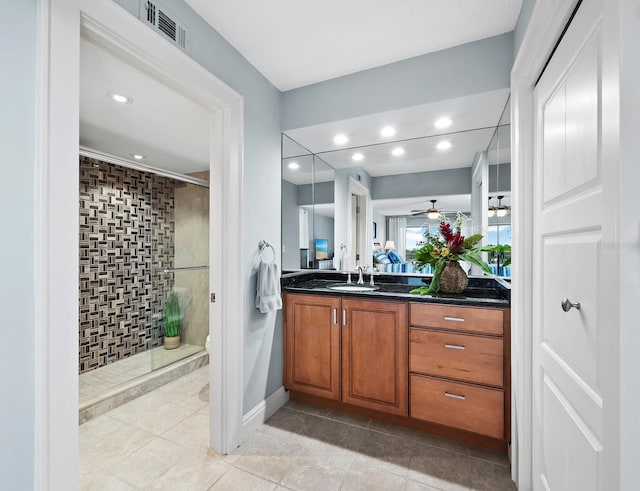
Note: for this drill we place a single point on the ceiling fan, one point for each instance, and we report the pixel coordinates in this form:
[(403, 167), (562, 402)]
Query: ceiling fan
[(432, 212), (500, 210)]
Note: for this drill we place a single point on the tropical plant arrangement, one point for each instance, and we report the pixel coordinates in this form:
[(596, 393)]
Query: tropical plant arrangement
[(444, 250), (171, 321)]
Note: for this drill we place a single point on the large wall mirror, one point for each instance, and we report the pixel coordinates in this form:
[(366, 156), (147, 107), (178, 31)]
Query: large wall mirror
[(368, 201)]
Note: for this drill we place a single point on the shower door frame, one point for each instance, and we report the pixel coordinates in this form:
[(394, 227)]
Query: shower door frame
[(60, 24)]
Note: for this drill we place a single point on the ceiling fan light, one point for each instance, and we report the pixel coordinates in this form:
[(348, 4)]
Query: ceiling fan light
[(492, 211), (501, 212), (433, 214)]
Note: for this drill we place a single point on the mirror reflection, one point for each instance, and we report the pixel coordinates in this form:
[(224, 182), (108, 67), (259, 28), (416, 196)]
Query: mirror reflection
[(370, 205)]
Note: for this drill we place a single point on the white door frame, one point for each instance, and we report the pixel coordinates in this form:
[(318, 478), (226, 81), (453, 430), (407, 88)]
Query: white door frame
[(356, 187), (56, 232)]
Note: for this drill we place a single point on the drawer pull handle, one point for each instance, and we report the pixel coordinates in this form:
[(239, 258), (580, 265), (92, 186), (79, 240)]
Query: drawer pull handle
[(335, 316), (454, 396), (454, 346), (454, 319)]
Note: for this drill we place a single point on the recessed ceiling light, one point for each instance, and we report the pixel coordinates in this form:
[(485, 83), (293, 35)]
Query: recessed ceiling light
[(120, 98), (388, 131), (137, 156), (340, 139), (293, 165), (398, 151), (443, 123), (357, 157), (444, 145)]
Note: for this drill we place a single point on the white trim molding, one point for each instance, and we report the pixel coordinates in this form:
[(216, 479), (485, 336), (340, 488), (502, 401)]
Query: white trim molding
[(263, 411), (547, 23), (56, 236)]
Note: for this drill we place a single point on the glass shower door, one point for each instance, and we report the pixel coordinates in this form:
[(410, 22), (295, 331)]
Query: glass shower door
[(181, 257)]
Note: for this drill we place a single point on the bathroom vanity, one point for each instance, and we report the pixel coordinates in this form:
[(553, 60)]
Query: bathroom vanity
[(435, 364)]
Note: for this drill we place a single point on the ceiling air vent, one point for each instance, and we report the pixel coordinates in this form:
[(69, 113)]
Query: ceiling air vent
[(160, 19)]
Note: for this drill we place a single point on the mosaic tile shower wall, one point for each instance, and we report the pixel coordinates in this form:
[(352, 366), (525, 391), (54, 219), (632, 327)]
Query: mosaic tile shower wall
[(126, 238)]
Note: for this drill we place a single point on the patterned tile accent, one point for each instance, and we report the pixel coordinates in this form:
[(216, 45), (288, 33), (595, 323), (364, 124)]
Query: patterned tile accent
[(126, 238)]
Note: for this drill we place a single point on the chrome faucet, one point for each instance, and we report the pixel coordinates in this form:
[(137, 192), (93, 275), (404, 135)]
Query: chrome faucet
[(360, 270)]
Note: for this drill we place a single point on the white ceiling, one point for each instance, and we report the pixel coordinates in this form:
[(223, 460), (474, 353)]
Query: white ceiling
[(171, 131), (295, 43)]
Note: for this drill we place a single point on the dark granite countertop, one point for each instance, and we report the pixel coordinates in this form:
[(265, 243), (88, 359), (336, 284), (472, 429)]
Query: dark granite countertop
[(482, 290)]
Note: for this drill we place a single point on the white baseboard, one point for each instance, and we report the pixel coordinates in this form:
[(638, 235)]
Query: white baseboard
[(262, 412)]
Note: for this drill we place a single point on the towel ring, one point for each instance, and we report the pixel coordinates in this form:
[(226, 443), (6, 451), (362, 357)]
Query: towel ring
[(262, 245)]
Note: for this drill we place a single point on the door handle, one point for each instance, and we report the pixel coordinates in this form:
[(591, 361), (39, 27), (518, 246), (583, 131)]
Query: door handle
[(567, 305), (335, 316), (344, 317)]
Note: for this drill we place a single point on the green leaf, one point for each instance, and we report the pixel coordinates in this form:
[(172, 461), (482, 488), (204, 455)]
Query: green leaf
[(469, 242), (474, 258)]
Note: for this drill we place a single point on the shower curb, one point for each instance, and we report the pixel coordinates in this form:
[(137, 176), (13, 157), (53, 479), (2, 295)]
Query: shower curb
[(135, 388)]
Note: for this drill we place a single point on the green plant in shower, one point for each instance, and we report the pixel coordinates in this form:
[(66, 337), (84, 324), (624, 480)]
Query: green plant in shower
[(171, 318)]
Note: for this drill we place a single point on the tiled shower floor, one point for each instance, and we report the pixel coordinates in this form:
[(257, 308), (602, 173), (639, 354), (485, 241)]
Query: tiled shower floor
[(103, 379)]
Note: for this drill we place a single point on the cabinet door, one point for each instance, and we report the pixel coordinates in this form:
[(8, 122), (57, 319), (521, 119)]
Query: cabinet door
[(312, 345), (374, 355)]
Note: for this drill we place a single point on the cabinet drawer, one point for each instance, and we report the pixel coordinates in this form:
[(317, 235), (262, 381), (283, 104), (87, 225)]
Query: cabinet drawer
[(469, 319), (467, 407), (464, 357)]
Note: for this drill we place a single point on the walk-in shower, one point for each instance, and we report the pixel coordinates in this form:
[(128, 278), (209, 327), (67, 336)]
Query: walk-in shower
[(144, 269)]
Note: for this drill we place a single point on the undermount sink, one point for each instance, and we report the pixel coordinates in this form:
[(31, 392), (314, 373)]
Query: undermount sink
[(353, 288)]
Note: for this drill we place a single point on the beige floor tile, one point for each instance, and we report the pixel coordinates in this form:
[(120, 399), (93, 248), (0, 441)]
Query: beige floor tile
[(272, 468), (490, 456), (317, 474), (148, 463), (490, 477), (194, 472), (418, 486), (286, 421), (150, 413), (419, 436), (349, 419), (366, 475), (305, 408), (103, 449), (441, 469), (239, 480), (390, 453), (191, 432), (340, 435), (99, 480)]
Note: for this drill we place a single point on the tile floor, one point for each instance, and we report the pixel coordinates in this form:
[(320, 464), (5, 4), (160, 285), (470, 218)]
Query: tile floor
[(105, 378), (159, 442)]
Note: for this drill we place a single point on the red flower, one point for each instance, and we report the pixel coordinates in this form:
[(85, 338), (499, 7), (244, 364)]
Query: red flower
[(455, 243), (445, 230)]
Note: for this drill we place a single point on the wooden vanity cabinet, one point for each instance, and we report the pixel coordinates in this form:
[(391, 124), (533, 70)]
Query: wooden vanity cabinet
[(443, 369), (312, 345), (361, 343), (374, 355), (459, 368)]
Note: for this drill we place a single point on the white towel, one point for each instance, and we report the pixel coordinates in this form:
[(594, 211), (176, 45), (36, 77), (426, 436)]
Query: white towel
[(268, 297)]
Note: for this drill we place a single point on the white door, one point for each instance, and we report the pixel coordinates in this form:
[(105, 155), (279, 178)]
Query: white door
[(570, 365)]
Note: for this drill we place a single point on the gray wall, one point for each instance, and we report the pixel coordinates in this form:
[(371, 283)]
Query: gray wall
[(504, 174), (451, 181), (17, 136), (262, 332), (290, 226), (522, 24), (471, 68)]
